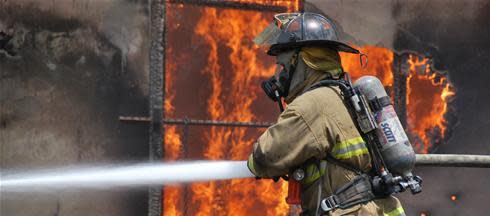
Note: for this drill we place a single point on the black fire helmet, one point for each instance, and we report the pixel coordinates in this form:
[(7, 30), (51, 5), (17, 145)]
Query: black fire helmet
[(295, 30)]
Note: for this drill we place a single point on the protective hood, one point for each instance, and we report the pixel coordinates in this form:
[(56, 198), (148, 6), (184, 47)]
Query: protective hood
[(314, 64), (322, 59)]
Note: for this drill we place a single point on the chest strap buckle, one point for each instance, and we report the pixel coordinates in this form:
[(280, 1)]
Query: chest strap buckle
[(329, 203)]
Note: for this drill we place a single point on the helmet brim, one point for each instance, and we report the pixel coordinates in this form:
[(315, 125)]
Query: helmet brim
[(275, 49)]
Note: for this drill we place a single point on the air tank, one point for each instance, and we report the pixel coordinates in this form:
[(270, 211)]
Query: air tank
[(395, 148)]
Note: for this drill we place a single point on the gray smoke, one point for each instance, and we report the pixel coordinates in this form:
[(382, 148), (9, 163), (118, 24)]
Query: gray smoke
[(362, 22), (122, 23), (79, 65)]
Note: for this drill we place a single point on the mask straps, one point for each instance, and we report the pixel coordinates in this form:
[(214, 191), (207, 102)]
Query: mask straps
[(279, 101), (362, 57)]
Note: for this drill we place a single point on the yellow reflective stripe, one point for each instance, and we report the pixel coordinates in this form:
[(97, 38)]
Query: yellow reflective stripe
[(250, 164), (351, 154), (350, 148), (312, 174), (311, 169), (348, 142), (397, 212)]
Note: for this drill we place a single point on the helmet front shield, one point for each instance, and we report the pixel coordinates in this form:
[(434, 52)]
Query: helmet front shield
[(268, 36), (271, 33)]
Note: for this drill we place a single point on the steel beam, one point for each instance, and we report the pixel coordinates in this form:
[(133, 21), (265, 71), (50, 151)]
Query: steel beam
[(198, 122), (266, 6), (401, 69), (156, 98)]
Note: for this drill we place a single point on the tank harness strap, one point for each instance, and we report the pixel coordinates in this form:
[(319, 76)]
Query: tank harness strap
[(346, 166), (378, 103), (357, 191), (315, 170)]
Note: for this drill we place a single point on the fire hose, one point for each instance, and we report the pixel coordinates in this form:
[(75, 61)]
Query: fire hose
[(452, 160)]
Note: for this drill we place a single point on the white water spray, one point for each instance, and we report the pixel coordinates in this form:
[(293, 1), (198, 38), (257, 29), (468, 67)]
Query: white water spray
[(104, 177)]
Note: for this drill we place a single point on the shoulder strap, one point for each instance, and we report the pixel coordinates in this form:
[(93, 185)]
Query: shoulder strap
[(337, 162)]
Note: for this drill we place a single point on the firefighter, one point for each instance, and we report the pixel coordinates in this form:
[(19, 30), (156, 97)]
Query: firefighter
[(316, 124)]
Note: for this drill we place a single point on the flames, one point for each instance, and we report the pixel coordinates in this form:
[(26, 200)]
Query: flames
[(428, 92), (379, 64), (231, 99), (233, 69), (173, 144), (223, 57)]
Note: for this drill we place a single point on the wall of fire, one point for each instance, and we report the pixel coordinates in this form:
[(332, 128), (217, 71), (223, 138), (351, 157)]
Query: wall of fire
[(89, 60), (414, 68)]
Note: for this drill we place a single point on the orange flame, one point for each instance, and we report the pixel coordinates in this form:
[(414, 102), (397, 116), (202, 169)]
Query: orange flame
[(380, 63), (234, 86), (172, 141), (232, 101), (428, 94)]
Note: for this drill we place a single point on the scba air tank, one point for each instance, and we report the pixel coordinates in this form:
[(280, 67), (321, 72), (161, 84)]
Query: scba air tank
[(395, 148)]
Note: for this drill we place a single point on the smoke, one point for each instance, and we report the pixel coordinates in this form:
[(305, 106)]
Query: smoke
[(80, 64), (122, 23), (380, 22), (91, 11), (109, 177), (125, 32), (361, 22)]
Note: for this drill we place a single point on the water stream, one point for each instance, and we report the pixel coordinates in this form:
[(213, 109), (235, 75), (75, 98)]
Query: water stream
[(136, 175)]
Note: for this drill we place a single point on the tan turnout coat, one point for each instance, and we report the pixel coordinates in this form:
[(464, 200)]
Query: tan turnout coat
[(315, 124)]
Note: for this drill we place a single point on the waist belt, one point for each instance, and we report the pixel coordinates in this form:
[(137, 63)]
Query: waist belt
[(359, 190)]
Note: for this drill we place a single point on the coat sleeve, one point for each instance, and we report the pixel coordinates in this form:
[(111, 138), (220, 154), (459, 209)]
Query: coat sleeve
[(284, 146)]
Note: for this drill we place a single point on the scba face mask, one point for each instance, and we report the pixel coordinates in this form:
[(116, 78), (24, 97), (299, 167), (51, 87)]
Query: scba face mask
[(277, 86)]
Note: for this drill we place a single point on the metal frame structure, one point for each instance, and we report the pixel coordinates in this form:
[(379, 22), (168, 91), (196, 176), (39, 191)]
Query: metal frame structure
[(156, 96), (401, 69), (232, 5), (187, 122), (157, 85)]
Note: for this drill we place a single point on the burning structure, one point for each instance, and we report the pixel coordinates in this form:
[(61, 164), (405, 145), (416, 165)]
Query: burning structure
[(234, 67), (213, 71)]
